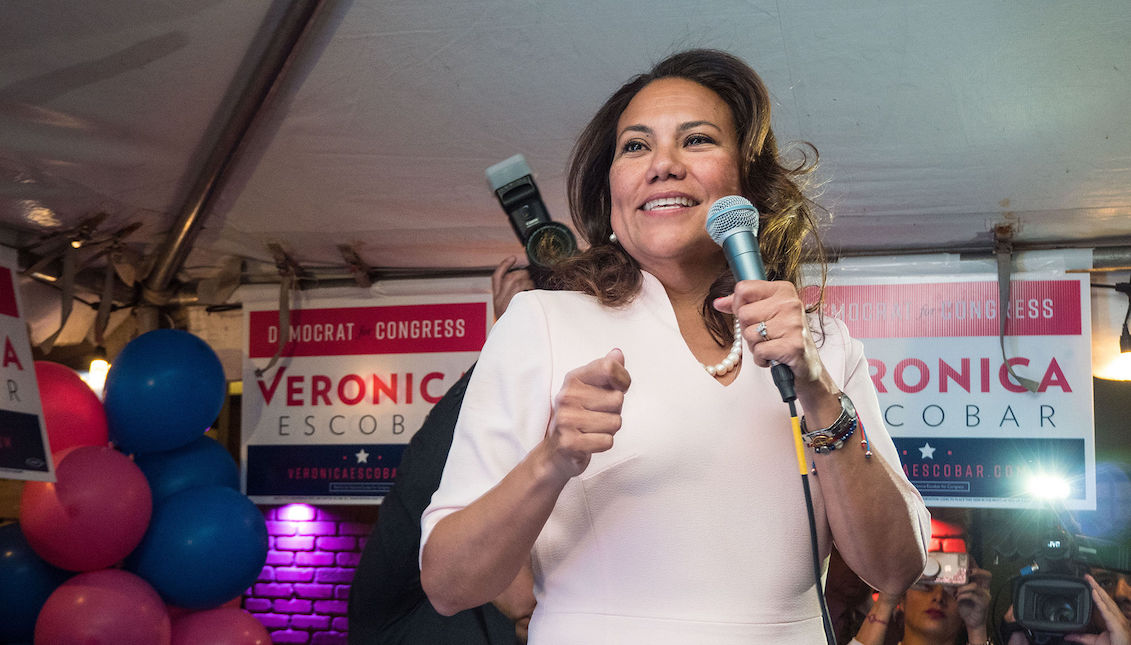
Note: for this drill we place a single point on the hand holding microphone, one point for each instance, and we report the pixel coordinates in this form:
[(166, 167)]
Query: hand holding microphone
[(732, 222)]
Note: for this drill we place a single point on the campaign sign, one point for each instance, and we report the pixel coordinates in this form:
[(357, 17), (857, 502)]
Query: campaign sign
[(967, 432), (355, 380), (24, 447)]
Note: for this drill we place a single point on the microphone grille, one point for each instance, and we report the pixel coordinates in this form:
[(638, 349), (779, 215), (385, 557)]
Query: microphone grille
[(731, 214)]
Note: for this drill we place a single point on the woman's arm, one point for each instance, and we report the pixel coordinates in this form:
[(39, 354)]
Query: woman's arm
[(877, 518), (474, 553), (517, 601), (875, 627)]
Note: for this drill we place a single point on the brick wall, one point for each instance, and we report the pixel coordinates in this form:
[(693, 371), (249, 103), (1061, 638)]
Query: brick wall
[(302, 593)]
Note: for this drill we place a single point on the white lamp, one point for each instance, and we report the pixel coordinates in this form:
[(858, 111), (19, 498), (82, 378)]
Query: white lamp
[(1110, 312), (96, 374)]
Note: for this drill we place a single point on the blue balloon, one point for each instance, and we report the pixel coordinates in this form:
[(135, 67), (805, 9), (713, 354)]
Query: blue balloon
[(25, 583), (163, 390), (203, 462), (204, 547)]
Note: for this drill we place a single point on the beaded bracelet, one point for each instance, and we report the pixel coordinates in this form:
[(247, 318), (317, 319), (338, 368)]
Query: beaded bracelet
[(865, 444)]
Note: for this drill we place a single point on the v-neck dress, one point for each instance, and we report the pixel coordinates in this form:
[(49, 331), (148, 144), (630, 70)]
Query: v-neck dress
[(692, 528)]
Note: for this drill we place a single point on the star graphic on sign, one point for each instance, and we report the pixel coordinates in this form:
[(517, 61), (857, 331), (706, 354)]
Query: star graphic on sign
[(927, 451), (362, 456)]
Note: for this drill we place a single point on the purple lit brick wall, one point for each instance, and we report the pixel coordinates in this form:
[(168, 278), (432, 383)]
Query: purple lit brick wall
[(303, 591)]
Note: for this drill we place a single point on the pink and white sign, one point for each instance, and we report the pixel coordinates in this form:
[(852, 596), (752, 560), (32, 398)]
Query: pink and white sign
[(24, 447), (968, 433), (355, 380)]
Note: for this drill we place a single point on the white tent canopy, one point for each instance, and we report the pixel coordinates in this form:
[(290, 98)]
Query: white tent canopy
[(207, 131)]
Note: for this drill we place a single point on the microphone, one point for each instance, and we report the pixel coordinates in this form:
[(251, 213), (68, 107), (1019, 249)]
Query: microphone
[(732, 222)]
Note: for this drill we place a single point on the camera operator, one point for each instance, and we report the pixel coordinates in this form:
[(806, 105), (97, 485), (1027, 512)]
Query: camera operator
[(1111, 613), (1110, 610), (933, 614), (386, 603), (1118, 586)]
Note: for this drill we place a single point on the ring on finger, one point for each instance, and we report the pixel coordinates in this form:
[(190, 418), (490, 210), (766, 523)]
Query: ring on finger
[(762, 331)]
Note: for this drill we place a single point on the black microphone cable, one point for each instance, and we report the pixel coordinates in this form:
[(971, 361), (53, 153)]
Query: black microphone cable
[(732, 223), (783, 378)]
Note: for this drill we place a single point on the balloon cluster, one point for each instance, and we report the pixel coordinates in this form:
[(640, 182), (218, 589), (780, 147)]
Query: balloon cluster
[(149, 549)]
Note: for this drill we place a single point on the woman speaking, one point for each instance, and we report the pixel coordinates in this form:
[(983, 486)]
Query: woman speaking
[(622, 435)]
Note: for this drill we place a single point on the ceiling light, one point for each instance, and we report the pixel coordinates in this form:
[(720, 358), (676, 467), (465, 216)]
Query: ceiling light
[(1106, 363), (96, 374)]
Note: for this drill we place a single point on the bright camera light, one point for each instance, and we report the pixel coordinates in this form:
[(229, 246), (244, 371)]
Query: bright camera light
[(1044, 486)]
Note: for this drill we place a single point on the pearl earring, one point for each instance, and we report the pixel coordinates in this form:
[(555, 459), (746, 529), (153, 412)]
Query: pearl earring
[(613, 238)]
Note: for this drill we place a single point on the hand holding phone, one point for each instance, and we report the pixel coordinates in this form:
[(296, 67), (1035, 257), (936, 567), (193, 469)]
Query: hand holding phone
[(946, 569)]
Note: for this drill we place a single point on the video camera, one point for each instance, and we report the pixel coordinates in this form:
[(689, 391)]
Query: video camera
[(1051, 597)]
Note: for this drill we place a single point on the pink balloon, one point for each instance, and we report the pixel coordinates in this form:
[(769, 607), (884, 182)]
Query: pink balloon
[(108, 607), (176, 612), (72, 411), (221, 626), (93, 516)]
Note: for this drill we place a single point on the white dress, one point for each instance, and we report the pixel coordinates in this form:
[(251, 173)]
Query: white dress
[(692, 528)]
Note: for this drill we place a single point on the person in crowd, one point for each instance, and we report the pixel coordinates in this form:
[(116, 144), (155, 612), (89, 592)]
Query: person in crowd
[(1111, 589), (387, 605), (1111, 609), (849, 599), (624, 433), (933, 614), (1111, 613), (1117, 586)]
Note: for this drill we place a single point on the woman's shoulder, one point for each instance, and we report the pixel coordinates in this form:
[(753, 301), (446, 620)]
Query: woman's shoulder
[(555, 301), (557, 312), (828, 330)]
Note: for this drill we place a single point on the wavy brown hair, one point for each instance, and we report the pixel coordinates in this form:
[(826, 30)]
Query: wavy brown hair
[(787, 218)]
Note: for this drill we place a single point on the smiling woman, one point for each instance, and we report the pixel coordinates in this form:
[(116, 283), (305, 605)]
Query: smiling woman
[(677, 148), (572, 447)]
